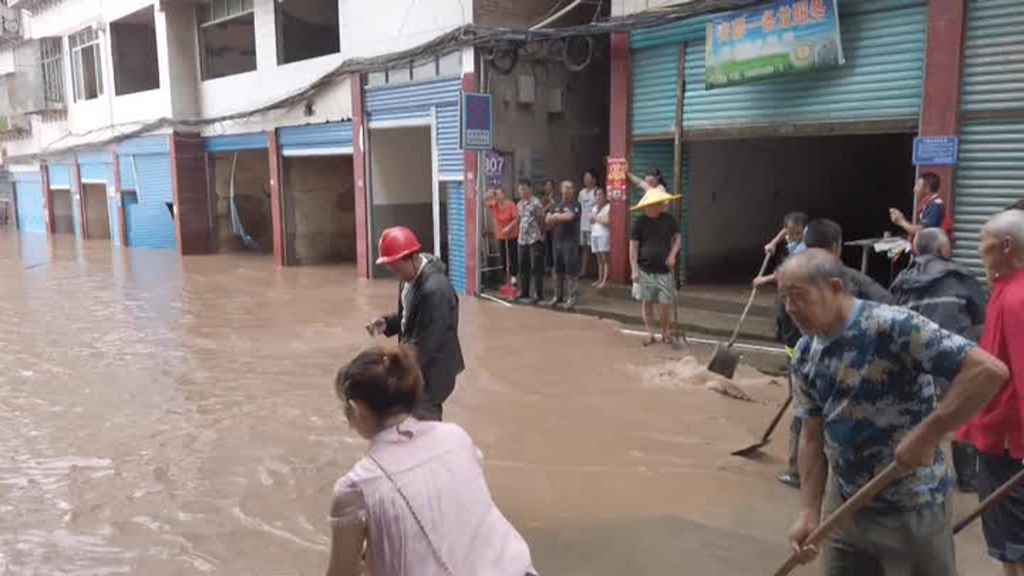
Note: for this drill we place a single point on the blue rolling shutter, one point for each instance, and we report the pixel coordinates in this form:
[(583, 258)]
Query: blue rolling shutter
[(993, 76), (149, 221), (989, 177), (59, 175), (450, 158), (414, 102), (93, 173), (334, 138), (457, 236), (28, 187), (237, 142)]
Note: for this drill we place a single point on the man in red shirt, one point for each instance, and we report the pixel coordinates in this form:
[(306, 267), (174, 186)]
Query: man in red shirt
[(998, 432)]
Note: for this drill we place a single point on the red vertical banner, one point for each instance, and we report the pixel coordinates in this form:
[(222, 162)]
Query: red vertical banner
[(359, 175), (618, 181)]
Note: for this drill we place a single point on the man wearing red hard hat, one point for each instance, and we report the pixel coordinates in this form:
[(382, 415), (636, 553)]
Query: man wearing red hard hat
[(427, 317)]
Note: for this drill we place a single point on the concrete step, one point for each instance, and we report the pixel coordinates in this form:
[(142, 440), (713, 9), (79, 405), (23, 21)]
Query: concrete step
[(703, 298)]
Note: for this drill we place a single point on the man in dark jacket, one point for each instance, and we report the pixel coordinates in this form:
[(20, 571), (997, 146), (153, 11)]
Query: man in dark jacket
[(427, 317), (827, 235), (940, 290)]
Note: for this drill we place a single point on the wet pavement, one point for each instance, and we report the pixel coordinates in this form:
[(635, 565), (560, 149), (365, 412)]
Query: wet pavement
[(162, 416)]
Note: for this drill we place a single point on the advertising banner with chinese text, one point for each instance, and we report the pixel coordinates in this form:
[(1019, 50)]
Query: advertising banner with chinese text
[(789, 36)]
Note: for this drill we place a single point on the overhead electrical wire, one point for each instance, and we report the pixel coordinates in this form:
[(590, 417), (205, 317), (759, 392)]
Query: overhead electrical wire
[(469, 35)]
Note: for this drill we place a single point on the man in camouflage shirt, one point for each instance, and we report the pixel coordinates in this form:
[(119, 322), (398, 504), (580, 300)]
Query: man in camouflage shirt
[(862, 381)]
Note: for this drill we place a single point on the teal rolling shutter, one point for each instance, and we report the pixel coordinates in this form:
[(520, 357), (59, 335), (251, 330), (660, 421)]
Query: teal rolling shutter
[(993, 75), (653, 101), (457, 236), (881, 80)]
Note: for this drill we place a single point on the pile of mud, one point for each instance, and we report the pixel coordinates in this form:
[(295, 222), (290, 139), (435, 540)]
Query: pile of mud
[(748, 384)]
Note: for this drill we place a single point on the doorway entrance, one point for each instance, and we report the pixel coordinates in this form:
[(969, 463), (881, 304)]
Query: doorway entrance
[(403, 188), (97, 211), (63, 211)]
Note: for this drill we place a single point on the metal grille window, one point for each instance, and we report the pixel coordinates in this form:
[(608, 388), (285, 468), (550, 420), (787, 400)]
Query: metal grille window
[(51, 59), (227, 37), (86, 64), (217, 10)]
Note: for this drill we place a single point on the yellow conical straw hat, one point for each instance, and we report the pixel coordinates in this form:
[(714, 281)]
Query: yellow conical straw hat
[(654, 196)]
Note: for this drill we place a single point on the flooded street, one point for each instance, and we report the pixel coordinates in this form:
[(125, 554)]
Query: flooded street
[(162, 416)]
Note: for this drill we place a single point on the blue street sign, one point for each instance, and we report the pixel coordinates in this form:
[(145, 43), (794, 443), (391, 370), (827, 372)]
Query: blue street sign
[(477, 122), (936, 150)]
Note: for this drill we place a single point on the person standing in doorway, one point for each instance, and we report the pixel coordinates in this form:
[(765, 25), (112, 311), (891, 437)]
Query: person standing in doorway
[(998, 433), (530, 220), (506, 230), (863, 383), (654, 247), (940, 290), (427, 319), (601, 237), (931, 210), (564, 218), (588, 199)]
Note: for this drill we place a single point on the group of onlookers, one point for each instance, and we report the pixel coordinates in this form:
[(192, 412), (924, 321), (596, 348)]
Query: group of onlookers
[(557, 232)]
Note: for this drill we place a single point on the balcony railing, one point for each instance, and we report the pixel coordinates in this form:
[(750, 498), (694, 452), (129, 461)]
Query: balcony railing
[(36, 85)]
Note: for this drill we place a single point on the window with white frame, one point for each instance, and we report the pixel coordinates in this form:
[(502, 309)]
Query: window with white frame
[(86, 64), (227, 37)]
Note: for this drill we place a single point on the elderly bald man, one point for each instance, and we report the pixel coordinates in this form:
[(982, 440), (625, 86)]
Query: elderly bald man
[(998, 432), (940, 290)]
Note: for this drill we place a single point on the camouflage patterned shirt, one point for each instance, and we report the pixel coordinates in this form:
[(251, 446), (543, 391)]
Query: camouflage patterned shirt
[(871, 385)]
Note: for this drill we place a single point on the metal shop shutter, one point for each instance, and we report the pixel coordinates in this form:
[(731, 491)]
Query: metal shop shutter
[(882, 79), (993, 76), (654, 90), (457, 236), (28, 187), (415, 102), (237, 142), (331, 139), (59, 175), (96, 167), (989, 177), (149, 222)]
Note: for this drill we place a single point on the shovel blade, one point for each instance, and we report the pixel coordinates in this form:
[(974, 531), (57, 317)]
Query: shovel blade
[(724, 361), (508, 292), (749, 450)]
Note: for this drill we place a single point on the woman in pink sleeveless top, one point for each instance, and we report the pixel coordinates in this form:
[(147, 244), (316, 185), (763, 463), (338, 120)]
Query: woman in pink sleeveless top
[(417, 504)]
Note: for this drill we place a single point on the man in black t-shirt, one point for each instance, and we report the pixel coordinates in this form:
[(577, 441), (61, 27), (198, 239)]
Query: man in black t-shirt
[(565, 216), (653, 252)]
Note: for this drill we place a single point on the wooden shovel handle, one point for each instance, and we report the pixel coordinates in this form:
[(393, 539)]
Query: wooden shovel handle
[(840, 516), (994, 497), (750, 301)]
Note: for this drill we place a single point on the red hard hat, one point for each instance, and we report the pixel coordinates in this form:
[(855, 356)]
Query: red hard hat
[(397, 243)]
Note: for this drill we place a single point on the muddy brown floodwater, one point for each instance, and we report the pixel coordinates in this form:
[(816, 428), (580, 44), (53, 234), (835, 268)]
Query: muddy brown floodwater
[(163, 417)]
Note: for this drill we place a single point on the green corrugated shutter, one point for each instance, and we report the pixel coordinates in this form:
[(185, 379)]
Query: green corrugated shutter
[(884, 45), (989, 177), (990, 170), (993, 76)]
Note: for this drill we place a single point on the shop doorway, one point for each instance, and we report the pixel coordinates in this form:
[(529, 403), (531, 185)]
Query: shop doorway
[(63, 211), (403, 188), (320, 209), (739, 190), (97, 211), (240, 204)]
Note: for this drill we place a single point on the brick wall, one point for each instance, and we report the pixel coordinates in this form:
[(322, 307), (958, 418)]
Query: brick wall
[(319, 200), (252, 191)]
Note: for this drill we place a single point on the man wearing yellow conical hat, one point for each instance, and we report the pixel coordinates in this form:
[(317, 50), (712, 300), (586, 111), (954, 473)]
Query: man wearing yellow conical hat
[(654, 246)]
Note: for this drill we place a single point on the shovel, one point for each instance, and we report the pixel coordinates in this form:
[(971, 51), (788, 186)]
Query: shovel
[(679, 341), (996, 496), (725, 360), (508, 291), (753, 448), (862, 497)]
